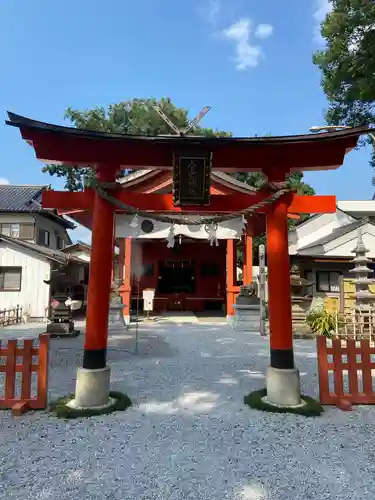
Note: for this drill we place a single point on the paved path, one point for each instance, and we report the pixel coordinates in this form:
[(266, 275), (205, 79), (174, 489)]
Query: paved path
[(188, 434)]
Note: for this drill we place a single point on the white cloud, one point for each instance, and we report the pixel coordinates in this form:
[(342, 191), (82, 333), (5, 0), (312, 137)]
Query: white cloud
[(3, 181), (263, 30), (247, 53), (323, 7), (213, 11)]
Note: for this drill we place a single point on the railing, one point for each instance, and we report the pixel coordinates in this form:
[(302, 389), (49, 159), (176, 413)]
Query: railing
[(10, 316), (356, 324), (345, 370), (30, 392)]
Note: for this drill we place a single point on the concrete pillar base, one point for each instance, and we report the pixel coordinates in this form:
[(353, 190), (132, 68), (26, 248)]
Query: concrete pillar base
[(92, 389), (283, 387)]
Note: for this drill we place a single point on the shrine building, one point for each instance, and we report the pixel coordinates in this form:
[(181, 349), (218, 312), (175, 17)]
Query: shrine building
[(189, 273)]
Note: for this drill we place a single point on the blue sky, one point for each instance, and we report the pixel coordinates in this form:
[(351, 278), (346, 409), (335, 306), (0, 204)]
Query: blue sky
[(251, 60)]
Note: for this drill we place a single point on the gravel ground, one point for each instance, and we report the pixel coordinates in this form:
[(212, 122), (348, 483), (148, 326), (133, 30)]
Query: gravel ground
[(188, 434)]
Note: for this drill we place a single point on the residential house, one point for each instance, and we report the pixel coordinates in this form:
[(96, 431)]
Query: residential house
[(323, 245), (31, 243), (24, 266), (22, 216), (79, 249)]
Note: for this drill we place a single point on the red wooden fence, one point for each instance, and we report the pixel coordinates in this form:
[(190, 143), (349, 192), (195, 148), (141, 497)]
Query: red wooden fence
[(348, 379), (25, 400)]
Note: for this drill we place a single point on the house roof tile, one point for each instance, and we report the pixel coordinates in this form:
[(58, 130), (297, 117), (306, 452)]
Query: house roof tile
[(27, 199)]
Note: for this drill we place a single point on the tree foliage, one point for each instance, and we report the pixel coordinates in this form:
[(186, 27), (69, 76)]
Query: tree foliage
[(134, 117), (347, 63)]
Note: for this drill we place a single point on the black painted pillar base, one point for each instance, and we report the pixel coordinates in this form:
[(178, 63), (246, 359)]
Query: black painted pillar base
[(282, 359), (94, 359)]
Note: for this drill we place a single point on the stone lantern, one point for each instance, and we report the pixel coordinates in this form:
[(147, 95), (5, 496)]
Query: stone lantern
[(116, 306), (301, 302)]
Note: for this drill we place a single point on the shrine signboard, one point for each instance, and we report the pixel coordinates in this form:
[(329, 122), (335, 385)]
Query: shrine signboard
[(191, 179)]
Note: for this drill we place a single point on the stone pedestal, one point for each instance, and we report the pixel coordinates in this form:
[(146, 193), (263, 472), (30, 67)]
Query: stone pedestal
[(247, 317), (116, 316), (300, 308)]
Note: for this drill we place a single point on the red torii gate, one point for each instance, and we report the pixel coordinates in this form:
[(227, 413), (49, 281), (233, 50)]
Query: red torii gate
[(110, 153)]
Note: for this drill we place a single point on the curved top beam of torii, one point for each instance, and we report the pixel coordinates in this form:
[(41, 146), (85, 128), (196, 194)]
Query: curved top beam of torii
[(67, 145)]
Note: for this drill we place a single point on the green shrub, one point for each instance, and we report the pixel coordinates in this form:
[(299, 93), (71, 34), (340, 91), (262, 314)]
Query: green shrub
[(321, 322)]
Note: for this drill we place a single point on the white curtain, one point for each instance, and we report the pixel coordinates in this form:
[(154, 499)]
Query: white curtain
[(227, 230)]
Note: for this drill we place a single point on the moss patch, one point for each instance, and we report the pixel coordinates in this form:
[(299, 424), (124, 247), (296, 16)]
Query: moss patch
[(60, 409), (312, 408)]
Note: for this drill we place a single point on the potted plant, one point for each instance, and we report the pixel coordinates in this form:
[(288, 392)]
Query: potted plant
[(321, 322)]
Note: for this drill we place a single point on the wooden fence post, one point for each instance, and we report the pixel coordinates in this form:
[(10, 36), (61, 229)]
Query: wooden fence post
[(19, 404)]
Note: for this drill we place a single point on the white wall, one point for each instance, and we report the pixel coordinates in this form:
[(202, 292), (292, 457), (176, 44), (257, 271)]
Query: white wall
[(34, 294)]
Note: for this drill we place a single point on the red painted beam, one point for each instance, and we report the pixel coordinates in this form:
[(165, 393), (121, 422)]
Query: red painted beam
[(318, 204), (164, 202), (308, 154), (67, 201)]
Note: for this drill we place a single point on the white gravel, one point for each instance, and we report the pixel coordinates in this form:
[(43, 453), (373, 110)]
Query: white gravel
[(189, 434)]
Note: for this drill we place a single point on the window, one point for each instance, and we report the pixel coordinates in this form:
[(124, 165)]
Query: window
[(43, 237), (26, 231), (59, 242), (15, 230), (328, 281), (10, 279), (23, 231), (5, 229)]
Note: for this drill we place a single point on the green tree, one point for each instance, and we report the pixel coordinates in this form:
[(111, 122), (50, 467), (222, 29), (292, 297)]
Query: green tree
[(347, 63), (134, 117)]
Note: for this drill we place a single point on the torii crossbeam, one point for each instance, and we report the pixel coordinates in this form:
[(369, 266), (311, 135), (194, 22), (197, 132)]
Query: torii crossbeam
[(163, 203)]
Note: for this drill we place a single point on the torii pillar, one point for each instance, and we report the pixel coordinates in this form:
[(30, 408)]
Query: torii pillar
[(283, 380), (93, 379)]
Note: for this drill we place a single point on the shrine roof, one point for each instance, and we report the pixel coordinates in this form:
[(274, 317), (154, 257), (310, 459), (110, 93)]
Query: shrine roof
[(69, 145), (336, 233), (221, 177)]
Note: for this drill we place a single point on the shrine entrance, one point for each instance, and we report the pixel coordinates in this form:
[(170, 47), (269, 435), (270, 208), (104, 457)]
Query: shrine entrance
[(193, 206), (177, 277), (191, 276)]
